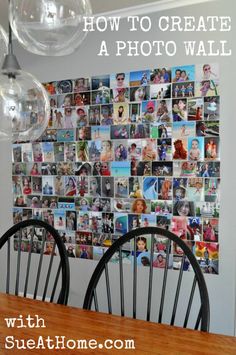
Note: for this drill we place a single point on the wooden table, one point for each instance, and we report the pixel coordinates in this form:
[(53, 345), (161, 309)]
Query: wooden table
[(74, 323)]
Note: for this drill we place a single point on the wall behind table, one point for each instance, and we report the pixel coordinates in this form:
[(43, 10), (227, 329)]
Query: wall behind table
[(85, 62)]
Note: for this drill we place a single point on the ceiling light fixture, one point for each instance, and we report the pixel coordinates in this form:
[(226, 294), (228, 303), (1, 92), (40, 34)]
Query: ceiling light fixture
[(49, 27), (24, 103)]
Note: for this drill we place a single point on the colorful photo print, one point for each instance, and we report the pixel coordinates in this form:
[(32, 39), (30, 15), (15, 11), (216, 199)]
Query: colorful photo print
[(100, 82), (180, 188), (82, 186), (94, 113), (149, 149), (184, 208), (162, 168), (180, 149), (64, 135), (101, 96), (183, 89), (17, 215), (53, 101), (17, 185), (84, 252), (64, 168), (162, 208), (164, 130), (139, 94), (70, 250), (141, 78), (209, 169), (163, 110), (65, 100), (121, 223), (150, 188), (179, 226), (183, 129), (135, 187), (98, 252), (212, 190), (212, 108), (82, 99), (179, 109), (121, 113), (83, 133), (134, 221), (207, 209), (120, 95), (164, 149), (139, 131), (48, 152), (120, 169), (160, 91), (207, 88), (106, 115), (148, 111), (121, 186), (67, 203), (50, 135), (81, 84), (207, 71), (50, 87), (207, 251), (195, 148), (134, 113), (195, 109), (120, 132), (141, 168), (120, 150), (183, 73), (212, 148), (195, 191), (119, 80), (164, 189), (27, 154), (195, 228), (19, 201), (64, 86), (210, 230), (207, 128), (160, 76), (185, 169)]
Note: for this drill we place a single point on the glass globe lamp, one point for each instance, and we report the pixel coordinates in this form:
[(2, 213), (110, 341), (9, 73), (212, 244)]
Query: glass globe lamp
[(24, 107), (3, 44), (49, 27)]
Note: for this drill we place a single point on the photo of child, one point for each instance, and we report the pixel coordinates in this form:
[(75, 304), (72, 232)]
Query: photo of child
[(195, 148), (212, 148), (121, 113), (149, 149)]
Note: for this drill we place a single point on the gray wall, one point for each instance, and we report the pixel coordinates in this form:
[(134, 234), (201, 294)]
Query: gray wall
[(85, 62)]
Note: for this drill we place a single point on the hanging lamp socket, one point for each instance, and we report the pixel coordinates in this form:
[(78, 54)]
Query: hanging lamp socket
[(10, 65)]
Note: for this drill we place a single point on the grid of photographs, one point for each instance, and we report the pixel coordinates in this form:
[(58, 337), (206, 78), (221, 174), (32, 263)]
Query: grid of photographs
[(122, 151)]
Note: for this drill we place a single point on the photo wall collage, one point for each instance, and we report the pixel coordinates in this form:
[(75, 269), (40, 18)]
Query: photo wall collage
[(123, 151)]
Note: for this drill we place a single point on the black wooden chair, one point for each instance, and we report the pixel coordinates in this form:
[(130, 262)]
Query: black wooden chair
[(196, 308), (36, 273)]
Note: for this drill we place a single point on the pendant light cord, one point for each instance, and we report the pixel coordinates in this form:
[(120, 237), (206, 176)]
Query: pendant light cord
[(10, 47), (10, 65)]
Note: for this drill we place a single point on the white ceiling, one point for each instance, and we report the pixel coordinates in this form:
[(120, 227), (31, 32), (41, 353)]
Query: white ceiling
[(100, 6), (119, 7)]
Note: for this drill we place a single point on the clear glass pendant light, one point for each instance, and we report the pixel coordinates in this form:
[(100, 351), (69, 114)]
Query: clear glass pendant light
[(3, 44), (49, 27), (24, 103)]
